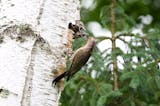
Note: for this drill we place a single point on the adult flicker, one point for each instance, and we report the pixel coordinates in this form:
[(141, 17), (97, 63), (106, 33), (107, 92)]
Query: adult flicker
[(80, 58)]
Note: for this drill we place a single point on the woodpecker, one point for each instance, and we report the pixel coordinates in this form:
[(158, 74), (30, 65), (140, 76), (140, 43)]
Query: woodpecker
[(80, 57)]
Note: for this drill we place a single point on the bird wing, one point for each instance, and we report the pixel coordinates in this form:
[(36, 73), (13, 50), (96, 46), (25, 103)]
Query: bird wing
[(80, 58)]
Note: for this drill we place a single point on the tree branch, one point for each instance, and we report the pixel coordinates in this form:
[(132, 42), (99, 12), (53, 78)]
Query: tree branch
[(115, 68)]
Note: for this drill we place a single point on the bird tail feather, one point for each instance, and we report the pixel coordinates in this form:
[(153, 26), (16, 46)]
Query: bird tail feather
[(69, 76), (57, 79)]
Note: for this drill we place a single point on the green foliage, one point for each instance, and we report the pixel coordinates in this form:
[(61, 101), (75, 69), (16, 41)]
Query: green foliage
[(140, 76)]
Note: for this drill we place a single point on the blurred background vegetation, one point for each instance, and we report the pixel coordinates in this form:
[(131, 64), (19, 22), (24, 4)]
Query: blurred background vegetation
[(124, 74)]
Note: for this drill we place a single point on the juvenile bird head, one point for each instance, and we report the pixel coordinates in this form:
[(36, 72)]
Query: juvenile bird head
[(78, 30)]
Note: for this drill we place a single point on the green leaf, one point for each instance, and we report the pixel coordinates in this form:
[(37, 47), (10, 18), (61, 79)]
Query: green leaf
[(93, 100), (132, 103), (104, 16), (105, 88), (117, 51), (101, 101), (134, 82), (119, 10), (126, 75), (114, 94), (157, 80)]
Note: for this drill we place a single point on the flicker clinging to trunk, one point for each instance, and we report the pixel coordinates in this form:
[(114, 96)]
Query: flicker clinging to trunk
[(80, 58)]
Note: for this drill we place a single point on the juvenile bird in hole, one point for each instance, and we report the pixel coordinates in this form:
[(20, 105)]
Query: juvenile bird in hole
[(80, 57), (78, 29)]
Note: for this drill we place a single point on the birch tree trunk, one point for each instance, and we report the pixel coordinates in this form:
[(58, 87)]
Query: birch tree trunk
[(33, 35)]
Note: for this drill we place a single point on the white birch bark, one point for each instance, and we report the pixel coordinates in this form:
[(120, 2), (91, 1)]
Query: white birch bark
[(32, 45)]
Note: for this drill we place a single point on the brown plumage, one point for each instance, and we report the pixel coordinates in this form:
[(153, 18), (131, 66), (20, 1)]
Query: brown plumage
[(80, 58)]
